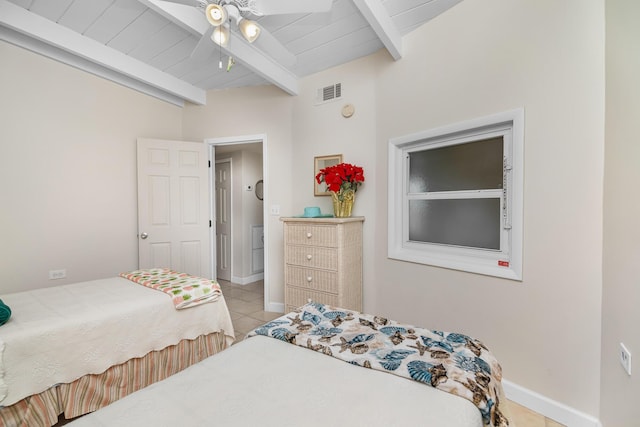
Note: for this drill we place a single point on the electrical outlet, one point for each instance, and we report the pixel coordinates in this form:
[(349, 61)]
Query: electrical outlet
[(275, 209), (625, 358), (57, 274)]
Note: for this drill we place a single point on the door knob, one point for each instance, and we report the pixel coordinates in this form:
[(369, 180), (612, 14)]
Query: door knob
[(144, 236)]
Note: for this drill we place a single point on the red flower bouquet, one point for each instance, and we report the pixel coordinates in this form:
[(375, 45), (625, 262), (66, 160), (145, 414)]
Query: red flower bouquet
[(342, 181), (343, 176)]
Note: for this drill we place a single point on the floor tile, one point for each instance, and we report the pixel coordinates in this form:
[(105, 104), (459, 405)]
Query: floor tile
[(244, 307), (256, 287), (251, 296), (265, 316), (551, 423), (246, 324), (230, 292), (235, 316), (524, 417)]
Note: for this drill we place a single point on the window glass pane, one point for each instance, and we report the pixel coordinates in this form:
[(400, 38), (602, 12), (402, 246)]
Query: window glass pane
[(460, 222), (472, 166)]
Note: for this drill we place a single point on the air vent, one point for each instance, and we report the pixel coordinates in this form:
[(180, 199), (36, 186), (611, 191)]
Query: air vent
[(329, 93)]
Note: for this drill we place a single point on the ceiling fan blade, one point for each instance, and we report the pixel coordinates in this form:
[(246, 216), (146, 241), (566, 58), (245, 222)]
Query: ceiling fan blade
[(193, 3), (285, 7), (204, 48), (276, 50), (188, 17)]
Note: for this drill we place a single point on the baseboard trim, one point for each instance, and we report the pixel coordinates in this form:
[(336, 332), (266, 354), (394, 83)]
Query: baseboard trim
[(274, 307), (549, 408), (248, 279)]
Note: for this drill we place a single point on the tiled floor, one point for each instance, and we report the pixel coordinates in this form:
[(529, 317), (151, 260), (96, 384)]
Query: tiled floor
[(246, 304)]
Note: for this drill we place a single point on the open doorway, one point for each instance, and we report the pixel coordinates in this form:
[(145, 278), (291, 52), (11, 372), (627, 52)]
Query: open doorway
[(238, 232)]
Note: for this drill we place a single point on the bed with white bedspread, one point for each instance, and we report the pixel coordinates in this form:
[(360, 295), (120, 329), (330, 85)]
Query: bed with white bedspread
[(62, 334), (395, 375)]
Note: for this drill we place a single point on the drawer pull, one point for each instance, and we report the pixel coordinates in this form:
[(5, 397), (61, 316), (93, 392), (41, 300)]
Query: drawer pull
[(309, 235), (309, 257), (309, 279)]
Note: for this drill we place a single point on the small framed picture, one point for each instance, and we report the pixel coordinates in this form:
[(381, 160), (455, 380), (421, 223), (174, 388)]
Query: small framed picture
[(321, 162)]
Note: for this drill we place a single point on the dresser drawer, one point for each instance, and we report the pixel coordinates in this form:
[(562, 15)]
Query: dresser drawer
[(297, 297), (313, 235), (319, 280), (323, 262), (309, 256)]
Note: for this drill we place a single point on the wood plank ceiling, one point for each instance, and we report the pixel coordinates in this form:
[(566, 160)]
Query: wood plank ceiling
[(148, 44)]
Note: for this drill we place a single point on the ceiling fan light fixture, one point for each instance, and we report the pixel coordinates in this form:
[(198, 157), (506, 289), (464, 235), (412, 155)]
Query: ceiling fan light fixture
[(249, 29), (216, 15), (220, 35)]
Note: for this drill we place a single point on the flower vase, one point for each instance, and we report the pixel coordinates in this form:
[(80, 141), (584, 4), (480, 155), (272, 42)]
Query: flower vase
[(343, 203)]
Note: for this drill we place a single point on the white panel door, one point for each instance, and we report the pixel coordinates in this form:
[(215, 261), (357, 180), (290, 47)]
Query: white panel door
[(223, 220), (173, 208)]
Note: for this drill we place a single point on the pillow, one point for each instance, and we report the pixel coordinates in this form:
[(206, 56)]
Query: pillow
[(5, 313)]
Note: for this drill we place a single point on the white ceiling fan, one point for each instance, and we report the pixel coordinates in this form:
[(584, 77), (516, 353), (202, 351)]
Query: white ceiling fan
[(226, 15)]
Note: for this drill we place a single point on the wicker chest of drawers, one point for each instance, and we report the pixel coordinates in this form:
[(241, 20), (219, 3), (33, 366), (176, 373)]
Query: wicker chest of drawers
[(323, 262)]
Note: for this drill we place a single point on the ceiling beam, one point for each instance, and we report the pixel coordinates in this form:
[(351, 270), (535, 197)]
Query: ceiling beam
[(379, 19), (44, 49), (43, 36), (254, 59)]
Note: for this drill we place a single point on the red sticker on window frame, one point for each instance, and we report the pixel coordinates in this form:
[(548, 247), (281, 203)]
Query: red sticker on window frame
[(503, 263)]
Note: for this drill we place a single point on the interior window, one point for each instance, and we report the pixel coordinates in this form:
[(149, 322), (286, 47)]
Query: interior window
[(456, 195)]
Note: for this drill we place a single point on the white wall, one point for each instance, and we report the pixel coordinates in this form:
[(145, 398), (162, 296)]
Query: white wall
[(320, 130), (621, 293), (485, 57), (250, 111), (477, 59), (68, 170), (252, 208)]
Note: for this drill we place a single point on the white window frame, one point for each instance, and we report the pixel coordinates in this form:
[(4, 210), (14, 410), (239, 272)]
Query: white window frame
[(506, 262)]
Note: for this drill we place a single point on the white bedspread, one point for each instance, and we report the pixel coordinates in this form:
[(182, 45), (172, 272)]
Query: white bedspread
[(266, 382), (58, 334)]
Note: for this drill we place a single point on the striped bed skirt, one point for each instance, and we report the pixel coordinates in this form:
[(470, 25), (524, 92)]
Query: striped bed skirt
[(92, 392)]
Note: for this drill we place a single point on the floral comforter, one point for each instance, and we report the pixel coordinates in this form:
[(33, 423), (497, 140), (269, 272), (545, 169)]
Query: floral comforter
[(448, 361), (185, 290)]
